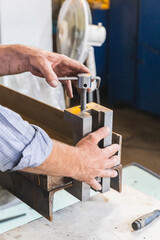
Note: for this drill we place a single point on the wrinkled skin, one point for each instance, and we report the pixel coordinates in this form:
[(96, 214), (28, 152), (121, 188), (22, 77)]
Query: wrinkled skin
[(84, 162), (19, 58)]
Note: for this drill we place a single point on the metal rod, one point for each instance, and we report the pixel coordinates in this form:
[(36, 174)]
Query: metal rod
[(83, 99), (90, 97), (67, 78), (98, 96)]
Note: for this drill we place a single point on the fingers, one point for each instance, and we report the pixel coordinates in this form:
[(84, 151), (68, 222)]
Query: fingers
[(111, 162), (83, 68), (73, 68), (94, 184), (68, 86), (76, 67), (108, 173), (66, 66), (49, 74), (111, 150), (98, 135)]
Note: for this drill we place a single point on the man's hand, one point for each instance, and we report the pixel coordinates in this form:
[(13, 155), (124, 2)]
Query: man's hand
[(95, 161), (84, 162), (53, 65), (19, 58)]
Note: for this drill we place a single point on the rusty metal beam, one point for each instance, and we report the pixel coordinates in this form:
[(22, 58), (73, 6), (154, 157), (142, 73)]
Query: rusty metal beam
[(47, 182), (38, 113)]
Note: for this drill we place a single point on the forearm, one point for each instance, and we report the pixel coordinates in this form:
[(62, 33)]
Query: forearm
[(21, 144), (84, 162), (63, 161), (13, 59)]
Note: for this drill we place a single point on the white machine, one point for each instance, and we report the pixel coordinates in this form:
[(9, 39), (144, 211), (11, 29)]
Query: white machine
[(76, 36), (30, 23)]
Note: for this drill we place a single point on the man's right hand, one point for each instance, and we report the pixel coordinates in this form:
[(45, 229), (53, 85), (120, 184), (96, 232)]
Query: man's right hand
[(84, 162), (95, 161)]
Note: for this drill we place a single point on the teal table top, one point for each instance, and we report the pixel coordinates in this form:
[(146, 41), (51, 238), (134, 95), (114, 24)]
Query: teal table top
[(142, 181)]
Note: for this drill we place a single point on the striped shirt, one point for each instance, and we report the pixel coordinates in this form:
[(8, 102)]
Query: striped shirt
[(21, 144)]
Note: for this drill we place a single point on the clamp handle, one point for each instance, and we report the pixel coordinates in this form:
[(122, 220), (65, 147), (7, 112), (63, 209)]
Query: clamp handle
[(98, 81), (92, 78)]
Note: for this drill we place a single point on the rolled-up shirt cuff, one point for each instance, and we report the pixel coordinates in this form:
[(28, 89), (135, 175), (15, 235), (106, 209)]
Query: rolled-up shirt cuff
[(36, 152)]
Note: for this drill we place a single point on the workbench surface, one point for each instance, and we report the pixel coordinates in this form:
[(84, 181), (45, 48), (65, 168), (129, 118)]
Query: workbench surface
[(108, 216)]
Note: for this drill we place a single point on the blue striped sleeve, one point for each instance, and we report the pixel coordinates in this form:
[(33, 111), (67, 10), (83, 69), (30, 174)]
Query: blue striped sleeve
[(21, 144)]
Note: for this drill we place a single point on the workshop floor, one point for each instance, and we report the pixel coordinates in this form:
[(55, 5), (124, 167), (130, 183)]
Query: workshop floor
[(141, 137)]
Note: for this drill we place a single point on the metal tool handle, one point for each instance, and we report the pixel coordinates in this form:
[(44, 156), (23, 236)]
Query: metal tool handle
[(68, 78), (145, 220), (98, 81), (93, 78)]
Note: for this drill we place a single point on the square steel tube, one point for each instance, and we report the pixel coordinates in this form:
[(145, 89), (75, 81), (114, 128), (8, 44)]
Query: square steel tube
[(83, 123)]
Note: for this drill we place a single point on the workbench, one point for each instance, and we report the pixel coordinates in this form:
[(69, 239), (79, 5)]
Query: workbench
[(103, 216)]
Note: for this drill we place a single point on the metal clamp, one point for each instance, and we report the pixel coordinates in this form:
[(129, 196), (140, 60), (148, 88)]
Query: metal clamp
[(88, 77), (84, 82)]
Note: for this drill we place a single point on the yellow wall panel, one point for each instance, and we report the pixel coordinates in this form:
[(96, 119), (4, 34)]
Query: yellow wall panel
[(99, 4)]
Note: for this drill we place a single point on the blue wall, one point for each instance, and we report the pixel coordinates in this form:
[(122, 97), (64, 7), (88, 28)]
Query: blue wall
[(148, 70), (129, 61), (122, 51)]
